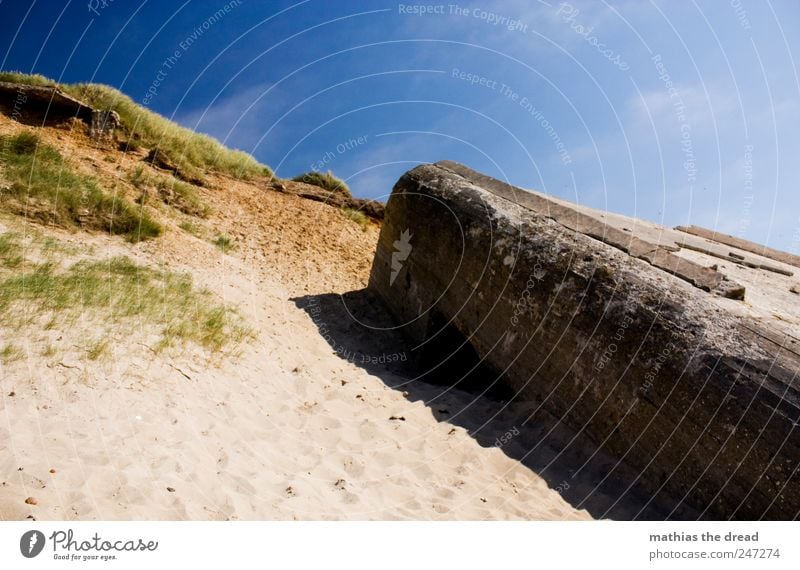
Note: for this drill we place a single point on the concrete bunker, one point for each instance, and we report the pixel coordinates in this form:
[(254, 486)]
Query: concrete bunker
[(575, 308)]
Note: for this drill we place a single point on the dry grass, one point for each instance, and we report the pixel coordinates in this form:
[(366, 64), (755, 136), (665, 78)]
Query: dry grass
[(43, 186), (356, 216), (192, 152), (114, 290), (325, 180), (194, 228), (224, 243), (169, 190), (27, 79), (10, 352)]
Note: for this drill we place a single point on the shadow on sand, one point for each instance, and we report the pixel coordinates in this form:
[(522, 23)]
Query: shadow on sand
[(357, 326)]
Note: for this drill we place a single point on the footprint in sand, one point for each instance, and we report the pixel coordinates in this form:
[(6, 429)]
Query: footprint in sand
[(133, 496), (423, 472), (159, 463), (367, 430), (349, 498), (328, 422), (346, 496), (178, 507), (445, 493), (353, 466), (243, 485), (439, 508), (10, 511)]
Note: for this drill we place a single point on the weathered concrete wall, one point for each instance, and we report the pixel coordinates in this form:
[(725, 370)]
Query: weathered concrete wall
[(39, 106), (104, 123), (702, 402), (36, 105)]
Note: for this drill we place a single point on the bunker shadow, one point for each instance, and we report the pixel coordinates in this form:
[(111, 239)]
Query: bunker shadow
[(358, 327)]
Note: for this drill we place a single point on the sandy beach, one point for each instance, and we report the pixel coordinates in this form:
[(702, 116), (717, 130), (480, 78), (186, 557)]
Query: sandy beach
[(280, 427), (285, 430)]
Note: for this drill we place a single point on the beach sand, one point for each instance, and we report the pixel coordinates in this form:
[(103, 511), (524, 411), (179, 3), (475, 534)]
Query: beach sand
[(285, 429)]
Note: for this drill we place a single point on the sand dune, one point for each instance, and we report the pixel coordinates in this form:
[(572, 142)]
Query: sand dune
[(285, 429)]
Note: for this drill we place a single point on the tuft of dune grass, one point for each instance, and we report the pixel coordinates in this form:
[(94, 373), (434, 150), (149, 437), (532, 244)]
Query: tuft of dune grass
[(27, 79), (192, 152), (115, 290), (356, 216), (325, 180), (44, 187), (168, 189)]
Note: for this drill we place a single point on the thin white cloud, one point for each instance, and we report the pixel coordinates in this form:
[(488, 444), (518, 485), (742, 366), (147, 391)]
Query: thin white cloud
[(686, 104), (237, 120)]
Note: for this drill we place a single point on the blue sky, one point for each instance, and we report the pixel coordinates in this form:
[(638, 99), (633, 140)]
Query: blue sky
[(677, 112)]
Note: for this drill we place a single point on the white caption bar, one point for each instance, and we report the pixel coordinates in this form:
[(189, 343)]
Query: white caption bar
[(400, 545)]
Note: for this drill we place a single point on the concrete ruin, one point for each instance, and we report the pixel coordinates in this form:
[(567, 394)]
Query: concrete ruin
[(46, 106), (675, 352)]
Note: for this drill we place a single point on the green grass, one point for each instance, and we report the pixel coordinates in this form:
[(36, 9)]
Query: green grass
[(31, 243), (357, 216), (193, 228), (119, 290), (98, 349), (26, 78), (192, 152), (10, 353), (325, 180), (170, 190), (10, 251), (43, 186), (224, 243)]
